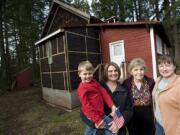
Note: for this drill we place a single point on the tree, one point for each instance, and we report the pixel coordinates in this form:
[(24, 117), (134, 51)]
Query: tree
[(81, 5), (4, 47), (107, 8), (175, 31), (21, 26), (124, 10)]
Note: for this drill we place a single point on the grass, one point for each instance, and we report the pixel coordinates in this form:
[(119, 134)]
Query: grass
[(25, 113)]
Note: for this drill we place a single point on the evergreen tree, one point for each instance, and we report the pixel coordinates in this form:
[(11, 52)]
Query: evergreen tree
[(21, 26)]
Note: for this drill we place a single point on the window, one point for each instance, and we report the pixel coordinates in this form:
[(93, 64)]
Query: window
[(159, 45), (166, 50), (49, 51), (117, 50), (117, 53)]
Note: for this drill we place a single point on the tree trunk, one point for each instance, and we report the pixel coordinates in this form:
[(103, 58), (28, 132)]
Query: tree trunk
[(135, 10), (8, 58), (175, 33), (2, 48), (139, 10), (122, 10), (157, 10)]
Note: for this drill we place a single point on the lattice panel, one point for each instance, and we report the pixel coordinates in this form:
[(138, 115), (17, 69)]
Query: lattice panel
[(46, 81)]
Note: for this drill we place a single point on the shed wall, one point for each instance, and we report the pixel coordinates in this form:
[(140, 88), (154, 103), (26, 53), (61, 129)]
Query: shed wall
[(60, 78), (82, 44), (136, 43), (68, 49), (59, 18)]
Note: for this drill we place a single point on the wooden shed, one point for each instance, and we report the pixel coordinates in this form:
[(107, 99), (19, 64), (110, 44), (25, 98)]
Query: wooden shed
[(71, 36), (66, 41), (24, 79)]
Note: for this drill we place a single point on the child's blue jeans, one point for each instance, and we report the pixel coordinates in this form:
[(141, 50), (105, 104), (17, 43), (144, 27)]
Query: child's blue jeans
[(92, 131)]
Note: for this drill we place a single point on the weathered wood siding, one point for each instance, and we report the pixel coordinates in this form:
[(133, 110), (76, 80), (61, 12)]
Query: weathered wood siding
[(59, 18)]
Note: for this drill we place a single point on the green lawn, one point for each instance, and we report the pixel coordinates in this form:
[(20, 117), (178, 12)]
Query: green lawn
[(25, 113)]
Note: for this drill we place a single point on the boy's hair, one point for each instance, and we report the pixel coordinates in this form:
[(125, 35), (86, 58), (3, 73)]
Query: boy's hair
[(107, 65), (85, 65), (136, 62)]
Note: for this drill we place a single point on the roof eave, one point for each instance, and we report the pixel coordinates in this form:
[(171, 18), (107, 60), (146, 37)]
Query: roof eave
[(73, 10), (49, 36)]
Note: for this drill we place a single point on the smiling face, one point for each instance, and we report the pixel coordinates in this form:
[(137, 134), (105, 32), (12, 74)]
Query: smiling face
[(138, 72), (86, 75), (166, 70), (113, 74)]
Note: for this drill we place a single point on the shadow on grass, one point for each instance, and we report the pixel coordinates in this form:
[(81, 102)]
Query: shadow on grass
[(25, 113)]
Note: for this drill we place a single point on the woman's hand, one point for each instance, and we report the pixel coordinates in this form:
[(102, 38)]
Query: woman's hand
[(100, 125), (113, 127), (113, 108)]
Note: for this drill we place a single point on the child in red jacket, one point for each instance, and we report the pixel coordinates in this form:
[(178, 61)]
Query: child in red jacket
[(92, 98)]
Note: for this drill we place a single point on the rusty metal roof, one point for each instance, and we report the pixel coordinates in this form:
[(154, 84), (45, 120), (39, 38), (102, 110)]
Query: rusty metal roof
[(127, 23)]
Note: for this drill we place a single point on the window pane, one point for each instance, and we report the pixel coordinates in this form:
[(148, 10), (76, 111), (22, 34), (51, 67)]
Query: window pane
[(117, 50), (159, 45)]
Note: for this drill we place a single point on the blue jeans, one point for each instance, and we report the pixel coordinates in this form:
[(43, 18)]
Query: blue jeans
[(107, 120), (92, 131), (159, 129)]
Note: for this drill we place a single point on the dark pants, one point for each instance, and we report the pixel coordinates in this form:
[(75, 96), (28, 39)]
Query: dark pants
[(93, 131), (102, 131), (142, 122)]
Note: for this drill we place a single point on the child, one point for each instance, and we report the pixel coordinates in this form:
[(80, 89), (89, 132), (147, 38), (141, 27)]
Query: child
[(92, 98)]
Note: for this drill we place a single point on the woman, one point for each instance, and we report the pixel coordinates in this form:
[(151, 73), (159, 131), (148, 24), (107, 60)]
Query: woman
[(119, 95), (140, 87), (166, 97)]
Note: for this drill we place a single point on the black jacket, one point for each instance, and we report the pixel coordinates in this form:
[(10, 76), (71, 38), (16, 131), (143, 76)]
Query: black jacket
[(142, 122), (121, 98)]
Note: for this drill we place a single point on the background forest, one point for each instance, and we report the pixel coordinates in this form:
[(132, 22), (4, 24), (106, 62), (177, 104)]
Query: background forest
[(21, 23)]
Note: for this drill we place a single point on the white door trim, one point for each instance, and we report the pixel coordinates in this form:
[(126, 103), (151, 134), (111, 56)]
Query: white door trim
[(112, 44), (153, 52)]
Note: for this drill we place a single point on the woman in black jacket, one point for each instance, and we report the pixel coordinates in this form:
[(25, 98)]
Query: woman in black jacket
[(119, 95)]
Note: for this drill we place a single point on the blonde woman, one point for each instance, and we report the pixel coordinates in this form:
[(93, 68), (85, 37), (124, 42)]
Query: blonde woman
[(140, 87)]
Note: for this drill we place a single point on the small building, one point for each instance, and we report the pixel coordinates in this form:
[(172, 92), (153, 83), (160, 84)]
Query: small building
[(71, 36), (121, 42), (24, 79)]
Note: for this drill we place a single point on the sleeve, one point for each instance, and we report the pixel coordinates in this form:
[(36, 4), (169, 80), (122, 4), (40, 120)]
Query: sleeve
[(128, 110), (178, 124), (86, 120), (106, 97), (90, 112), (152, 85), (124, 85)]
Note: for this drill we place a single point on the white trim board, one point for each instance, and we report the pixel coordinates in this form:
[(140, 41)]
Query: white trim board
[(49, 36), (153, 52)]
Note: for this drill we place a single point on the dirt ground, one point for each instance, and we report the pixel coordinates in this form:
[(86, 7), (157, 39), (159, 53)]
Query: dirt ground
[(25, 113)]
